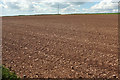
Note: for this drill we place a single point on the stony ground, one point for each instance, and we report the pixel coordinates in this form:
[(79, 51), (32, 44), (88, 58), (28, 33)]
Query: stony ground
[(61, 46)]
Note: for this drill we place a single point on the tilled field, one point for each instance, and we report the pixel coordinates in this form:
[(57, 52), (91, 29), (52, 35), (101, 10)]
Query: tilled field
[(61, 46)]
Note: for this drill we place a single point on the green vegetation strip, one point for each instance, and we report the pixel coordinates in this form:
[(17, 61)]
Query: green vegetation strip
[(8, 75)]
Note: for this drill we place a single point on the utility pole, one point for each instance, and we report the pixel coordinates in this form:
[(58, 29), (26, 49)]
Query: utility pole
[(58, 8), (119, 7)]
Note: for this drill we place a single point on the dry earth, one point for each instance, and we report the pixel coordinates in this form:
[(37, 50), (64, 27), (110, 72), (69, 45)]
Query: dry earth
[(61, 46)]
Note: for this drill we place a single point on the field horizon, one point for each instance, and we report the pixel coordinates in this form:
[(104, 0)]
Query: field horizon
[(63, 14)]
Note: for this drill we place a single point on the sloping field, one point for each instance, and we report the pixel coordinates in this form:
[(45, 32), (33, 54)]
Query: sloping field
[(61, 46)]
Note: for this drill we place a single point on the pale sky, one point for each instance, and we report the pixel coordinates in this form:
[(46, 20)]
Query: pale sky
[(31, 7)]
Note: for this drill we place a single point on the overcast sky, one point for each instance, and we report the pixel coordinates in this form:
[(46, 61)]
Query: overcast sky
[(30, 7)]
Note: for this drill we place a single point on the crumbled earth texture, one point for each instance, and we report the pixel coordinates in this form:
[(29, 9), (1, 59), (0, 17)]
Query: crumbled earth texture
[(61, 46)]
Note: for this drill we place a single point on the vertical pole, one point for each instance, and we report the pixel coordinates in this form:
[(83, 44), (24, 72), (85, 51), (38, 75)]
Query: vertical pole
[(58, 8)]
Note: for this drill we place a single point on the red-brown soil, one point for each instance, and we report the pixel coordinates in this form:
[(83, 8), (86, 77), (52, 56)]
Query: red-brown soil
[(61, 46)]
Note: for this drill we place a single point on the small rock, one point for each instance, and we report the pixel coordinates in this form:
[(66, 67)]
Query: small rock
[(36, 59), (72, 70), (29, 56), (37, 75), (23, 67), (72, 67), (114, 76), (24, 76), (26, 48)]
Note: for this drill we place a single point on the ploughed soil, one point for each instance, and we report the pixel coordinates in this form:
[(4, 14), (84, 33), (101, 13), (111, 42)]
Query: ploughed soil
[(61, 46)]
